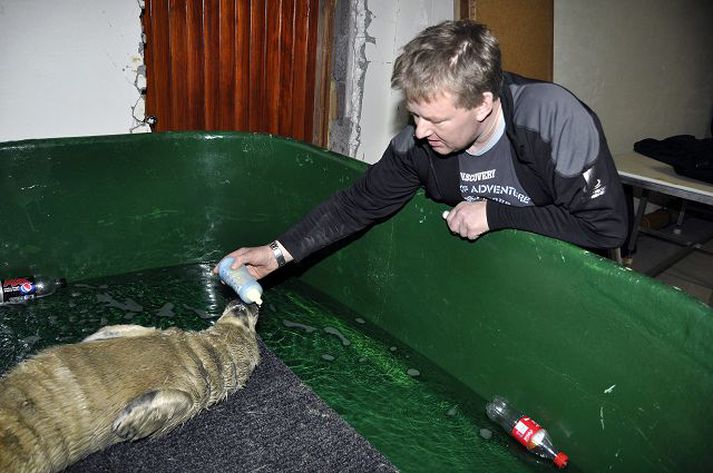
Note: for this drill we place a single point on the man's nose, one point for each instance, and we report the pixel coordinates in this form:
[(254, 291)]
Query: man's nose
[(423, 129)]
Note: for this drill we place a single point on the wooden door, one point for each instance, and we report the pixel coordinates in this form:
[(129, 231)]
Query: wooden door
[(250, 65), (525, 31)]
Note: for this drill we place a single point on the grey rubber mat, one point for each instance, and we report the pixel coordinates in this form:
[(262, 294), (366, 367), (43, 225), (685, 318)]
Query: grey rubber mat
[(275, 424)]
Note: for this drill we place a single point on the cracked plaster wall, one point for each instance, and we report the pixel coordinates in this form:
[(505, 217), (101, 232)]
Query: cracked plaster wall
[(368, 37), (75, 67), (70, 68)]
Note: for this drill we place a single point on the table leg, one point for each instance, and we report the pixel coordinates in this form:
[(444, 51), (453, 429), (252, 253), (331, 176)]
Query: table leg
[(643, 201), (679, 220)]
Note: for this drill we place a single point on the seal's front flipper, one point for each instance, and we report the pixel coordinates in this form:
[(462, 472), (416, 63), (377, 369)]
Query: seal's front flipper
[(154, 412), (116, 331)]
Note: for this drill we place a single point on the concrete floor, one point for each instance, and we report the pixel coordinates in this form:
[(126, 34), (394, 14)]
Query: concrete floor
[(693, 273)]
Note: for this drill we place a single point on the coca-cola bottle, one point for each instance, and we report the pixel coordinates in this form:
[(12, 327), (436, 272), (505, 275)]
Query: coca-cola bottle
[(21, 290), (525, 430)]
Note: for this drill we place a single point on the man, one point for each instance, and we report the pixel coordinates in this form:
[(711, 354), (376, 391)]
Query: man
[(505, 151)]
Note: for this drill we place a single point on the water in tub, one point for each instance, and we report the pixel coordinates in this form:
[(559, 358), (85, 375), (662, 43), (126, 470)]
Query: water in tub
[(410, 410)]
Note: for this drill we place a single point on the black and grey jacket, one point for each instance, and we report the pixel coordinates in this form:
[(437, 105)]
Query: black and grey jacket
[(560, 157)]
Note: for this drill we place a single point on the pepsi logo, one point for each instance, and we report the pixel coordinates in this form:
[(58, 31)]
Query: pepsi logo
[(26, 288)]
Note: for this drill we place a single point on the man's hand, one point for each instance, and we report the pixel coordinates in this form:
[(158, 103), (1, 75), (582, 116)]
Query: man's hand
[(468, 219), (259, 260)]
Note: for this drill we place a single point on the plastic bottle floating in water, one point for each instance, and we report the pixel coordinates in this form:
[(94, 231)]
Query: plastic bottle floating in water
[(21, 290), (242, 282), (525, 430)]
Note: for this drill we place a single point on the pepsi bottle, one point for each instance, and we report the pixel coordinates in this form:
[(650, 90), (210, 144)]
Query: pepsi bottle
[(21, 290)]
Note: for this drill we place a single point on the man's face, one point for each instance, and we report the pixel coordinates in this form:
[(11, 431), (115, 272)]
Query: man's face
[(446, 127)]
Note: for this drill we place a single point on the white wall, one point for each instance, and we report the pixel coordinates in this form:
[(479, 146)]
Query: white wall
[(392, 25), (67, 68), (645, 66)]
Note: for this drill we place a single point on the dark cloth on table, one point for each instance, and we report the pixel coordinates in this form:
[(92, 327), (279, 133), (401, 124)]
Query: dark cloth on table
[(689, 156)]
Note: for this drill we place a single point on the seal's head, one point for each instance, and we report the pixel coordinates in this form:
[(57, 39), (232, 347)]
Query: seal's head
[(239, 313)]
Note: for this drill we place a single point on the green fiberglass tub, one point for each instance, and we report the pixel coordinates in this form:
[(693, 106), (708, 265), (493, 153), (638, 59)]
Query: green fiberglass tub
[(407, 331)]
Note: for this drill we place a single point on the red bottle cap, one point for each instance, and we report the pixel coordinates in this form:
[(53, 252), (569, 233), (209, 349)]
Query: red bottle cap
[(561, 460)]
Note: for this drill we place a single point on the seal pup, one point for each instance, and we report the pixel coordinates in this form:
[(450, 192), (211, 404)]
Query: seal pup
[(124, 382)]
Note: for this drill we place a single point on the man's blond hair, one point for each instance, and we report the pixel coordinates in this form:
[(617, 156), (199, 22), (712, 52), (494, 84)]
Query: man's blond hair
[(460, 57)]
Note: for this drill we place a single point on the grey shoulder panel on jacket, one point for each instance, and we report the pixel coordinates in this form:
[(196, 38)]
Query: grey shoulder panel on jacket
[(404, 141), (561, 121)]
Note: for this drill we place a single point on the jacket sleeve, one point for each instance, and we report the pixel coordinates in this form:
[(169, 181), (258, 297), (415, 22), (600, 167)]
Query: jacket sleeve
[(587, 205), (589, 211), (384, 188)]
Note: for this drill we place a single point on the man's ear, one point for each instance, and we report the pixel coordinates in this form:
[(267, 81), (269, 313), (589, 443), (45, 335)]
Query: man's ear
[(483, 110)]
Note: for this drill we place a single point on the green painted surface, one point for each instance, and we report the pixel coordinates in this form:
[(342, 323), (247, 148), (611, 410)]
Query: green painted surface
[(421, 420), (617, 366)]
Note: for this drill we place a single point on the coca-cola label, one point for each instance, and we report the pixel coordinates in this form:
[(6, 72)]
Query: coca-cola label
[(18, 290), (524, 429)]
